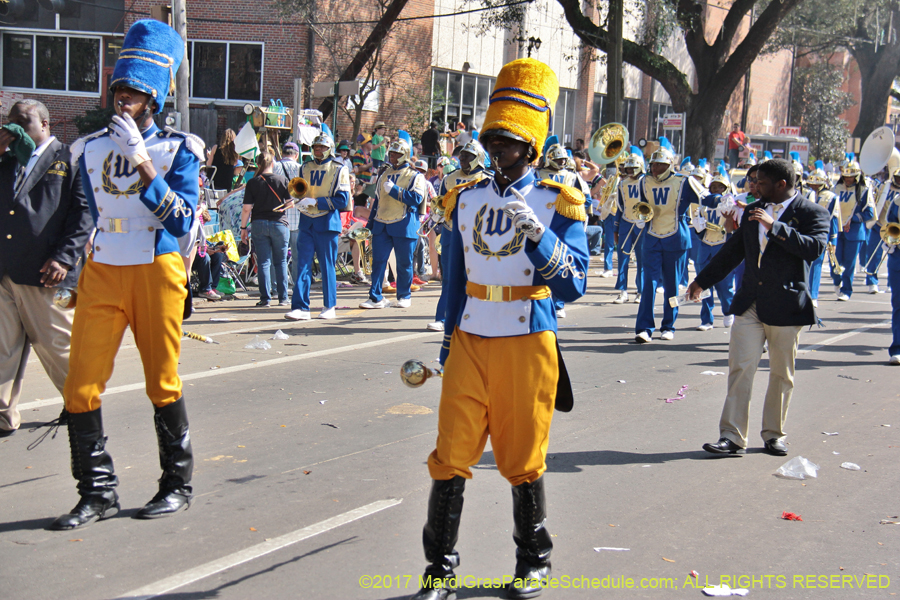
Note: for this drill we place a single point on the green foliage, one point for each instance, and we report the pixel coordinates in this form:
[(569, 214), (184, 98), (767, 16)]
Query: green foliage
[(94, 120), (816, 107), (419, 108), (822, 26)]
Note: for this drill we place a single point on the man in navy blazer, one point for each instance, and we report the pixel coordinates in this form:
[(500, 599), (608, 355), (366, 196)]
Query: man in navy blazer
[(779, 237), (44, 226)]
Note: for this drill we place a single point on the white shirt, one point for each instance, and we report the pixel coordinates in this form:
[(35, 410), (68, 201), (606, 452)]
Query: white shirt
[(770, 210)]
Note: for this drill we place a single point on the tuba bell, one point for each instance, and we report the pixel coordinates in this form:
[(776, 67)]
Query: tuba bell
[(415, 373), (608, 143), (298, 188), (360, 234)]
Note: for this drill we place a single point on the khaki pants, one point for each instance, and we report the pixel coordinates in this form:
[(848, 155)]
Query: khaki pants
[(28, 318), (748, 335)]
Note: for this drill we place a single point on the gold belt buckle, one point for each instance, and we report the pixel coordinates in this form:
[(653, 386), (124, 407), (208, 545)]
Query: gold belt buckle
[(115, 226), (494, 293)]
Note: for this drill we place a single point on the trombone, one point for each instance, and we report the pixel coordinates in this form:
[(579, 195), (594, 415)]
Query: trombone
[(836, 267), (643, 212), (415, 373), (890, 235), (434, 219)]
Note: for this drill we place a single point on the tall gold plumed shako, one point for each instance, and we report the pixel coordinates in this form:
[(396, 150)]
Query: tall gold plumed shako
[(521, 105), (151, 53)]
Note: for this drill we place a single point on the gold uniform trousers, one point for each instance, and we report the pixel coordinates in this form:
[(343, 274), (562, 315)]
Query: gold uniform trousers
[(149, 299), (504, 387)]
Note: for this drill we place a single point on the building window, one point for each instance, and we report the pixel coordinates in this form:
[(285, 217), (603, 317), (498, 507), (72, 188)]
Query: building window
[(51, 62), (460, 98), (564, 117), (226, 71), (629, 114)]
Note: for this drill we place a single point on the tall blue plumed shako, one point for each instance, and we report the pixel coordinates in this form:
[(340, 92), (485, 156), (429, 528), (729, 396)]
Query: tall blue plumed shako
[(151, 54)]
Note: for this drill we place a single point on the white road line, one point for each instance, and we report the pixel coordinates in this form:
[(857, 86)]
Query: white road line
[(253, 552), (238, 368), (843, 336)]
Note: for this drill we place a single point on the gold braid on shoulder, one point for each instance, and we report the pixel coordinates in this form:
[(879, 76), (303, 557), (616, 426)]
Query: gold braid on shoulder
[(569, 200)]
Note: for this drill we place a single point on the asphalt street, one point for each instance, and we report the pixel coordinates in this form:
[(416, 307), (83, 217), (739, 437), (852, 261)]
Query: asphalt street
[(310, 475)]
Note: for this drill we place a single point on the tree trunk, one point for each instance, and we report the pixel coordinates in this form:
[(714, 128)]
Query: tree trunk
[(703, 120), (877, 72)]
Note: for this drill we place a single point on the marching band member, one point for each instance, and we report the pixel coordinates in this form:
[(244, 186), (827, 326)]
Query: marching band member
[(515, 241), (710, 227), (857, 212), (473, 164), (891, 214), (557, 167), (629, 229), (667, 239), (819, 183), (394, 223), (701, 174), (872, 252), (142, 187), (320, 226)]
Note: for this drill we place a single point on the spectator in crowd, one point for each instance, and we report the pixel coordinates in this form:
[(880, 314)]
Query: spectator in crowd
[(463, 137), (265, 201), (290, 168), (431, 149), (365, 170), (579, 145), (737, 141), (343, 157), (225, 159), (379, 144)]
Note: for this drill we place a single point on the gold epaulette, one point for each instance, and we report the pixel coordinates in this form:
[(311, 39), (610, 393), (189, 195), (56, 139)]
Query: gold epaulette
[(569, 201), (450, 197)]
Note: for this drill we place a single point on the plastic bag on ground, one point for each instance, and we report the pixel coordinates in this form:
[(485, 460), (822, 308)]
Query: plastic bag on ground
[(258, 344), (850, 466), (797, 468), (280, 335)]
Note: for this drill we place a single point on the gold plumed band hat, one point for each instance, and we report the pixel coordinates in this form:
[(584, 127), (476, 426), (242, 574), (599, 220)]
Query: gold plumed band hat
[(521, 105)]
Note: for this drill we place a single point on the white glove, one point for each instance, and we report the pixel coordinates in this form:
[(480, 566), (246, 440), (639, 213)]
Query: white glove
[(699, 224), (727, 206), (388, 185), (306, 203), (127, 136), (523, 218), (888, 249), (640, 224)]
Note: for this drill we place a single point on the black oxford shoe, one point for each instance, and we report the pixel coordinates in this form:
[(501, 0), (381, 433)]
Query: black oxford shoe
[(89, 509), (775, 447), (723, 446)]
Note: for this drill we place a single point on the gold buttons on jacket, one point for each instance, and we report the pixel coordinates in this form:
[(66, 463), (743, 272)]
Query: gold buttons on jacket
[(149, 229), (9, 236), (462, 205), (462, 227), (528, 271), (12, 212), (97, 248), (466, 249), (467, 271), (90, 170), (96, 189), (521, 319), (99, 209), (465, 316), (549, 205)]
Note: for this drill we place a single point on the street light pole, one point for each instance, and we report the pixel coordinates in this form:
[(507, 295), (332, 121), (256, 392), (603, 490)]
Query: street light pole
[(614, 62)]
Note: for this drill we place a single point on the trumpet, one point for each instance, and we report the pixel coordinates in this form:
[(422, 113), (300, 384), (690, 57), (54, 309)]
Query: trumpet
[(714, 227), (836, 267), (415, 373), (65, 298), (298, 188), (640, 212)]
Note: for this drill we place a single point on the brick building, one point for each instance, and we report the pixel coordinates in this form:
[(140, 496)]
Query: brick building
[(243, 51)]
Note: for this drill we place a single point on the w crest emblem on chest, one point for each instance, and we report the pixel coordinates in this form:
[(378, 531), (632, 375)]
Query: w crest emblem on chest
[(111, 188), (498, 224)]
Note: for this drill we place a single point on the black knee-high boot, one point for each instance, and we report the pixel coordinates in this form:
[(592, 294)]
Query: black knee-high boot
[(439, 539), (533, 543), (176, 459), (92, 466)]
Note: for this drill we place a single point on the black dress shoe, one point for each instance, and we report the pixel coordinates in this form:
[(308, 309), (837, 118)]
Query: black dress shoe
[(94, 507), (775, 447), (165, 504), (723, 446)]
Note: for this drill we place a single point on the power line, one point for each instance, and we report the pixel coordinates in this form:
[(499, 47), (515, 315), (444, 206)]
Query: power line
[(366, 22)]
